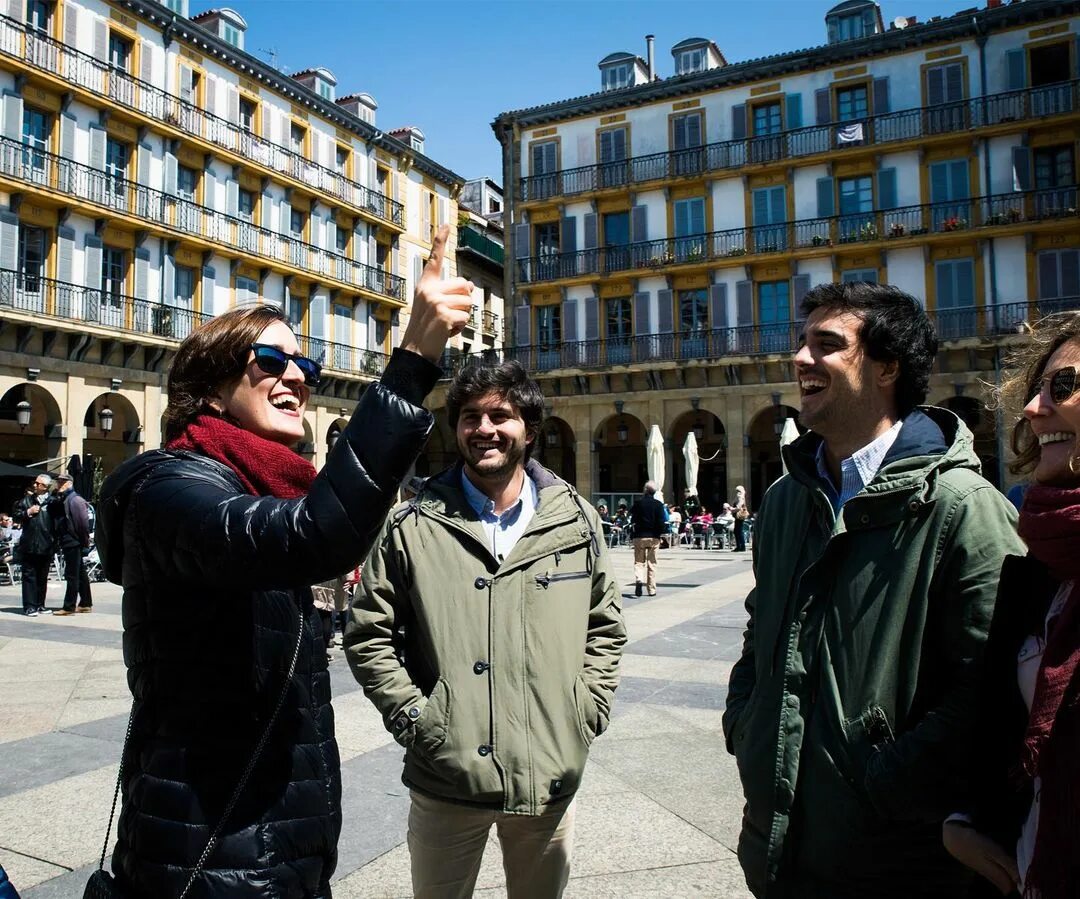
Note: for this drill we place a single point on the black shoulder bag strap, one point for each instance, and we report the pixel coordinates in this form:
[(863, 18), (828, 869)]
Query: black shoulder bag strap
[(260, 746)]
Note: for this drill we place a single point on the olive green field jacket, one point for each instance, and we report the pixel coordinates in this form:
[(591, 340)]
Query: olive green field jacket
[(494, 676), (851, 712)]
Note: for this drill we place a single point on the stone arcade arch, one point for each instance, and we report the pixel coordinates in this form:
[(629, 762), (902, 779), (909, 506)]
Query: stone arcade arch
[(40, 439), (441, 449), (712, 475), (983, 425), (621, 467), (554, 449), (763, 449), (113, 441)]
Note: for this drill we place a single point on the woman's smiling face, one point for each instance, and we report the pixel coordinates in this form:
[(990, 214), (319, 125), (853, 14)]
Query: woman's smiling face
[(271, 406), (1056, 425)]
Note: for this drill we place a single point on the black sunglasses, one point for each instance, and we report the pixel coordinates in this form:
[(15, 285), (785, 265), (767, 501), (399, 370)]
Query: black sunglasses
[(274, 361), (1062, 385)]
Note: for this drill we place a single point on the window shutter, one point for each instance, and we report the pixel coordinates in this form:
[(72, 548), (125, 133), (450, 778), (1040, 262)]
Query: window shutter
[(232, 197), (641, 312), (965, 282), (13, 117), (959, 180), (521, 241), (170, 173), (881, 96), (887, 189), (1070, 273), (101, 39), (697, 216), (869, 25), (823, 106), (793, 110), (954, 83), (1016, 69), (639, 227), (665, 323), (268, 115), (97, 149), (146, 61), (777, 205), (521, 325), (935, 86), (718, 306), (209, 304), (1049, 288), (144, 163), (267, 204), (693, 130), (800, 287), (65, 254), (417, 271), (330, 230), (168, 279), (92, 261), (590, 230), (738, 122), (71, 25), (234, 104), (569, 321), (744, 303), (210, 94), (444, 211), (9, 240), (1021, 162), (395, 328), (142, 273), (592, 318), (285, 217), (826, 198), (939, 182), (568, 234), (761, 206)]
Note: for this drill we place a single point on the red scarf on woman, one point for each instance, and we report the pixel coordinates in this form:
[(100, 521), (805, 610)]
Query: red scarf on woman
[(264, 467), (1050, 525)]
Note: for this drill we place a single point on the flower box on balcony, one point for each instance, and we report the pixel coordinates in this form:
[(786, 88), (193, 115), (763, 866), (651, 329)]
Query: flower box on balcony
[(952, 223), (736, 251), (818, 241), (897, 229)]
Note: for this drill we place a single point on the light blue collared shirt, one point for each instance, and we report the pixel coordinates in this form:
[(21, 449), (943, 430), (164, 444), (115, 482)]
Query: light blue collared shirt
[(502, 531), (859, 469)]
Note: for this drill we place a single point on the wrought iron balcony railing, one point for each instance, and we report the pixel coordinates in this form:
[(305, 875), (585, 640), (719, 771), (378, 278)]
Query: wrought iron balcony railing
[(905, 125), (489, 322), (481, 243), (98, 77), (49, 298), (891, 225), (174, 213), (744, 340)]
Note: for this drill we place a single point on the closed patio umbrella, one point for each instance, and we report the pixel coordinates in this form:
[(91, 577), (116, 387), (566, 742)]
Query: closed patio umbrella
[(789, 434), (690, 455), (654, 456)]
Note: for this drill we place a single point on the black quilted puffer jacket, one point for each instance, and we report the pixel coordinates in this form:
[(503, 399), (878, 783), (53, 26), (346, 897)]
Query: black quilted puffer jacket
[(215, 581)]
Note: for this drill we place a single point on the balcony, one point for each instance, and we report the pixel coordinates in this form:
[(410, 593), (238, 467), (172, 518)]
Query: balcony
[(744, 341), (892, 226), (181, 217), (906, 125), (96, 77), (50, 299), (481, 244)]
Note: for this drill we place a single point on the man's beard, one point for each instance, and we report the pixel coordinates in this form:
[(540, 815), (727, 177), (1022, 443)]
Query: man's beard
[(512, 458)]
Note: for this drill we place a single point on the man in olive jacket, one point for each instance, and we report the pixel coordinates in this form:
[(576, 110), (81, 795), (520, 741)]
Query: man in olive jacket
[(851, 710), (488, 632)]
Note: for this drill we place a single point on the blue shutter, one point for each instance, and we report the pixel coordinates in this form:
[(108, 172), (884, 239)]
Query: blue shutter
[(887, 189), (1016, 68), (592, 318), (800, 287), (965, 282), (826, 199), (92, 262), (960, 186), (1021, 161), (738, 122), (9, 241), (591, 224), (569, 321), (823, 106), (142, 273), (935, 86), (639, 227), (521, 325), (777, 205), (168, 278), (744, 303), (954, 83), (939, 182), (521, 241), (65, 254), (568, 234), (761, 206), (208, 291), (718, 306), (881, 96), (697, 216), (641, 313), (793, 109), (1049, 288), (665, 308)]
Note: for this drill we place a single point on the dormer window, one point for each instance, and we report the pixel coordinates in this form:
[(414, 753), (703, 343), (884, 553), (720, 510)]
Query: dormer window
[(617, 77), (852, 20), (690, 61), (230, 34), (325, 90), (416, 143), (848, 28), (177, 6), (38, 13)]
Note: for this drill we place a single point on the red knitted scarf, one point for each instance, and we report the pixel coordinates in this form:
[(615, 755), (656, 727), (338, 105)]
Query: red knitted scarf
[(1050, 525), (264, 467)]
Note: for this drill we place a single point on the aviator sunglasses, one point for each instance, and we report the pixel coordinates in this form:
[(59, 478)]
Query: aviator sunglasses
[(1062, 385), (274, 362)]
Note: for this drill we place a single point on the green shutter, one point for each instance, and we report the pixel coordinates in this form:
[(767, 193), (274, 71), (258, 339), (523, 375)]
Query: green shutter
[(887, 189), (793, 110), (826, 198)]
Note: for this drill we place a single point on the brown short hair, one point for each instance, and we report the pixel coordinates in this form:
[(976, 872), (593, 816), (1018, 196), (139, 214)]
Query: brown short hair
[(210, 357), (1026, 366)]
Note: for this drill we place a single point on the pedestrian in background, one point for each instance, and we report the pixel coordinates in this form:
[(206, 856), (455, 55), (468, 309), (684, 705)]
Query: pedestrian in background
[(876, 558), (71, 517), (741, 513), (216, 540), (488, 632), (37, 545), (1020, 828), (649, 523)]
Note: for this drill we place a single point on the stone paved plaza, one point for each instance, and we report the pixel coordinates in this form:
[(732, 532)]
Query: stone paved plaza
[(657, 814)]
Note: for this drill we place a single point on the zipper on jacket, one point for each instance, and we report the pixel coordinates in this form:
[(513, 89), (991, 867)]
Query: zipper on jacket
[(878, 728), (544, 580)]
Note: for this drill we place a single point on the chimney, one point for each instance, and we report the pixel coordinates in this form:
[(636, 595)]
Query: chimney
[(649, 38)]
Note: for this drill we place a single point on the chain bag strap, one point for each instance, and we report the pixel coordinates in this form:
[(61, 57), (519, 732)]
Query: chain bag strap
[(101, 884)]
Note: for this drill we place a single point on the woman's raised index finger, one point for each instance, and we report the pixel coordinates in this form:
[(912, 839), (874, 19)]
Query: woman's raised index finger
[(438, 251)]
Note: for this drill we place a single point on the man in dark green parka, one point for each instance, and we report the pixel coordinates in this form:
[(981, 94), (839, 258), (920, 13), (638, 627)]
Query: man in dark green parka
[(850, 712)]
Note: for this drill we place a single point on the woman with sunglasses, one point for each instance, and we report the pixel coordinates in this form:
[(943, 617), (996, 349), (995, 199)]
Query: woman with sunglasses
[(216, 540), (1023, 830)]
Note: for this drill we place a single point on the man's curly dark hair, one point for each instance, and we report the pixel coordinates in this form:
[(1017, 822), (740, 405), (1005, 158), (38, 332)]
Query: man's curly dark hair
[(508, 380), (895, 327)]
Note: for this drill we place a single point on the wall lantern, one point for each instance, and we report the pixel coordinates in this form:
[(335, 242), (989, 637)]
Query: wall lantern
[(105, 417), (22, 414), (699, 431), (622, 432), (332, 438), (551, 438)]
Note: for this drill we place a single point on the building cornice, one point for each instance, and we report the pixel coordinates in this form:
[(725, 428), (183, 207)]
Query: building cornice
[(967, 24), (205, 41)]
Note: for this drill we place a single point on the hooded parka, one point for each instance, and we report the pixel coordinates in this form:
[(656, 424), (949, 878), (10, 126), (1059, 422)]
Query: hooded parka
[(494, 676), (851, 711), (215, 584)]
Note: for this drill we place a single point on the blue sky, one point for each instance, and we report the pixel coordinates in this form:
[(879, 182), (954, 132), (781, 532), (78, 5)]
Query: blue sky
[(452, 67)]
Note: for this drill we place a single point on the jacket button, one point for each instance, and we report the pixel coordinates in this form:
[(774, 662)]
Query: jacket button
[(480, 667), (483, 750), (414, 713), (914, 505), (480, 583), (865, 519)]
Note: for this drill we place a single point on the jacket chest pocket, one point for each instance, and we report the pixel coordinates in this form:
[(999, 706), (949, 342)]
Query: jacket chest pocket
[(544, 581)]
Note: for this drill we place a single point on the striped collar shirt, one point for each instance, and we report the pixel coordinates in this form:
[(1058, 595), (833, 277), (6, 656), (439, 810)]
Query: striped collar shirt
[(859, 469), (502, 532)]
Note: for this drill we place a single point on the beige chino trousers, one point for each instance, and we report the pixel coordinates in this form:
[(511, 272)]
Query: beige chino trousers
[(645, 561), (446, 845)]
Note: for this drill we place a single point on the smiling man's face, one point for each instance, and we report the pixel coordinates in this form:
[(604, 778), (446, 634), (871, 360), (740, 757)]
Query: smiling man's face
[(491, 437)]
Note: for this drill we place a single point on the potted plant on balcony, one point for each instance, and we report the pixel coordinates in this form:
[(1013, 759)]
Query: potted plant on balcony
[(819, 241), (1014, 214), (868, 231), (736, 251), (897, 229), (953, 223), (695, 254)]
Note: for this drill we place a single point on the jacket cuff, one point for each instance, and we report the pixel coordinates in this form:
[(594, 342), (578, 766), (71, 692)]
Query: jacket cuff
[(410, 376)]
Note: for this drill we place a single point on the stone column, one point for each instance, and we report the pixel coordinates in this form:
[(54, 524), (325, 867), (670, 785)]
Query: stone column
[(77, 399), (738, 462)]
